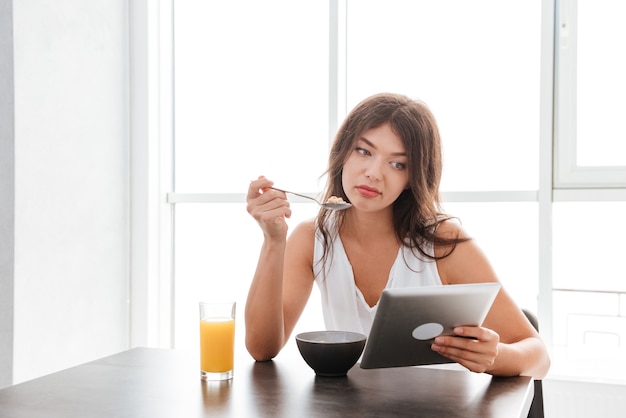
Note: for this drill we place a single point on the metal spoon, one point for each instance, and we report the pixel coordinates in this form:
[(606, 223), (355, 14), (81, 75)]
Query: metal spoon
[(331, 206)]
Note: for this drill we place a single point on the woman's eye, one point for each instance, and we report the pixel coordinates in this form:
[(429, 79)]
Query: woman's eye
[(398, 166), (362, 151)]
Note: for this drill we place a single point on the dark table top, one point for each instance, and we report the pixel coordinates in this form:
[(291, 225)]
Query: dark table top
[(148, 382)]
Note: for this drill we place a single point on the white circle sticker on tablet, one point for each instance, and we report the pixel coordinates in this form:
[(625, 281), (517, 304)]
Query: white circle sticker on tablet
[(427, 331)]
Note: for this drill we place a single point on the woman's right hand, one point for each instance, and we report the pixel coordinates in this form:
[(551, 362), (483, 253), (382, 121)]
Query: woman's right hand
[(269, 208)]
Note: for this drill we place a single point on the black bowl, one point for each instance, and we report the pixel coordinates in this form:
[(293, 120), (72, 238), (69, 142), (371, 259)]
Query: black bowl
[(330, 353)]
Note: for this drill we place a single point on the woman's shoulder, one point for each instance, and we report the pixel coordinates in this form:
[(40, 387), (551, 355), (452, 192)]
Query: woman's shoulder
[(451, 238), (307, 226), (304, 232), (451, 228), (301, 243), (465, 262)]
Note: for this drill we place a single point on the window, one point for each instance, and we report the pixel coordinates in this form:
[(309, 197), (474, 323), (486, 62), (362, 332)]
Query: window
[(234, 119), (261, 86), (590, 175), (251, 99), (475, 63), (590, 136)]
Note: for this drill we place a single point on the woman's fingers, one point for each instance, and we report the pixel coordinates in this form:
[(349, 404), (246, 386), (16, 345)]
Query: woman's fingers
[(258, 186), (475, 348), (268, 207)]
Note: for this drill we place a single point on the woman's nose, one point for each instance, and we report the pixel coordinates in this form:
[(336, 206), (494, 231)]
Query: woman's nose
[(374, 171)]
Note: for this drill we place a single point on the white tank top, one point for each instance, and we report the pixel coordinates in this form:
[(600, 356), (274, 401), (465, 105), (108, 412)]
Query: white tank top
[(343, 304)]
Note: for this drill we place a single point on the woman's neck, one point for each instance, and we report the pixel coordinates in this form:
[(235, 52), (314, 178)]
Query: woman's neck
[(368, 226)]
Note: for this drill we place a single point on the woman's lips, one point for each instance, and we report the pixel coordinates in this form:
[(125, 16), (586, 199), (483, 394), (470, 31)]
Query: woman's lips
[(367, 191)]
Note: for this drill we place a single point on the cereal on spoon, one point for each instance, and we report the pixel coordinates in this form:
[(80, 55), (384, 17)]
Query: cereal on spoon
[(335, 200)]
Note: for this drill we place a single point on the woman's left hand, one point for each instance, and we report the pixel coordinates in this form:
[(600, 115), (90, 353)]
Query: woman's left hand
[(475, 348)]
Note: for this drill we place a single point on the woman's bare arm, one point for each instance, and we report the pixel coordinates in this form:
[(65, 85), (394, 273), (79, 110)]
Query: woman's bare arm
[(283, 278), (506, 344)]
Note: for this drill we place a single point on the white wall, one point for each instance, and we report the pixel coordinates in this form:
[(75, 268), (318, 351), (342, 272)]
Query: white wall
[(7, 193), (71, 250)]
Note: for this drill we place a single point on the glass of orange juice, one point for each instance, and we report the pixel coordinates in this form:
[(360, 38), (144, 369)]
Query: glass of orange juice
[(217, 340)]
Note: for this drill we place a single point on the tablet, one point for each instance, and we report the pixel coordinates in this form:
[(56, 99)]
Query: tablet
[(409, 318)]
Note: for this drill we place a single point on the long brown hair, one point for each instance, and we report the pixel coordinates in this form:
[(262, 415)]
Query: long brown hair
[(417, 211)]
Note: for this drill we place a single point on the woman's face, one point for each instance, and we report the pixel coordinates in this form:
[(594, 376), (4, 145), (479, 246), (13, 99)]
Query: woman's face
[(376, 171)]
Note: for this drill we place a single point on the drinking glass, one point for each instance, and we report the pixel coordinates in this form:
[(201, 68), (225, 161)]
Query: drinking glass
[(217, 340)]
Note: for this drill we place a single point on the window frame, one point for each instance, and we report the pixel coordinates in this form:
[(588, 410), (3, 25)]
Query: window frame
[(152, 172), (568, 174), (155, 200)]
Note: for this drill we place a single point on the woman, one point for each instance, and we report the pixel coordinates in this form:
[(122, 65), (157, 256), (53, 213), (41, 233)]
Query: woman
[(385, 161)]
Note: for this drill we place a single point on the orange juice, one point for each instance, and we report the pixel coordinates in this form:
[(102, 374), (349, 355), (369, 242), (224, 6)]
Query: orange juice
[(217, 345)]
